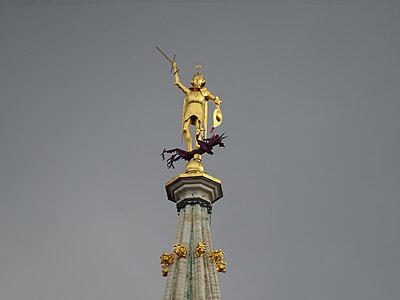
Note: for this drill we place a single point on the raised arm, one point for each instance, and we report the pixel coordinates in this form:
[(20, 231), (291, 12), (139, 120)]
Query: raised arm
[(178, 82)]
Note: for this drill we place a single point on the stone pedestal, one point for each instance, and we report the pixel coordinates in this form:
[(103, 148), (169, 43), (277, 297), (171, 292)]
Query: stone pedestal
[(194, 186)]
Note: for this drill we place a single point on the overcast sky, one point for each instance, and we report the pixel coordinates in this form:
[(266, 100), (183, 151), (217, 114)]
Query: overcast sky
[(311, 171)]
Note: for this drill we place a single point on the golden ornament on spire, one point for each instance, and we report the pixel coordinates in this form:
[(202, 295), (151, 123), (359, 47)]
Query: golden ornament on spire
[(200, 249), (166, 260), (217, 257), (180, 250)]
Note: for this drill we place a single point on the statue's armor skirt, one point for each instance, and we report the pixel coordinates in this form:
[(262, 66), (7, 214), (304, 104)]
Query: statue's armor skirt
[(194, 109)]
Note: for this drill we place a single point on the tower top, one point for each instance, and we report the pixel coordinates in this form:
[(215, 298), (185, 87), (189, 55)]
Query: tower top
[(192, 266)]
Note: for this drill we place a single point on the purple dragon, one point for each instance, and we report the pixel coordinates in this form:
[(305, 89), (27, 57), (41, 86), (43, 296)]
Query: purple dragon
[(205, 146)]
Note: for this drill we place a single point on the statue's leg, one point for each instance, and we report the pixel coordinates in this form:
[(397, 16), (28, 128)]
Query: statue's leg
[(187, 136), (198, 132)]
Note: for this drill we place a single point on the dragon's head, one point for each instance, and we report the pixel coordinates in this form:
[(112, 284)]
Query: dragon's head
[(216, 139)]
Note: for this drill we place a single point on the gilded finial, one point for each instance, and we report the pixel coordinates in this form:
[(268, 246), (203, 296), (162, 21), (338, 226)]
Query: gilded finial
[(217, 257), (164, 270), (180, 250), (200, 249), (166, 260), (220, 266)]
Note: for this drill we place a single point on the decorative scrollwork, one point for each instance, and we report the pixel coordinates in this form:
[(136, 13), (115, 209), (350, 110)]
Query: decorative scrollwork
[(180, 250), (200, 249)]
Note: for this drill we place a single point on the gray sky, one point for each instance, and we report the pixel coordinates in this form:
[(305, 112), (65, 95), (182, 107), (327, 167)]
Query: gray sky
[(311, 171)]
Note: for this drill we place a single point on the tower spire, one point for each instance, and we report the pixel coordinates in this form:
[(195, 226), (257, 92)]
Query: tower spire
[(193, 273)]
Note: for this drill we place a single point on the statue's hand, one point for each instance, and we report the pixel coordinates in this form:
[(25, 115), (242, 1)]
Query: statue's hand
[(175, 67), (217, 101)]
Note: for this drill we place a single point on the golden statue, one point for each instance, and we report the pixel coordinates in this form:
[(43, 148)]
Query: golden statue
[(195, 108)]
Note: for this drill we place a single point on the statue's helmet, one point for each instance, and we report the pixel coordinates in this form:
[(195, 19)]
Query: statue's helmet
[(198, 79)]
